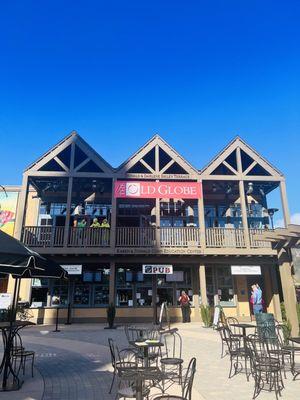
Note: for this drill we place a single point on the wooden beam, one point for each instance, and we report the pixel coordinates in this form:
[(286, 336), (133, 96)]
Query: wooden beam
[(252, 165)]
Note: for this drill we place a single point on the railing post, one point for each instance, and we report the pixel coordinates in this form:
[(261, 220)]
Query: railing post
[(113, 218), (201, 218), (68, 212)]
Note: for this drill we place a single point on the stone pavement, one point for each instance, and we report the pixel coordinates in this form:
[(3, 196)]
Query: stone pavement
[(75, 364)]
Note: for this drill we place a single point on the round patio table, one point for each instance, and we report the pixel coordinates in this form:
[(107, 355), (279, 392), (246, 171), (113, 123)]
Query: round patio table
[(145, 345), (141, 374), (9, 330)]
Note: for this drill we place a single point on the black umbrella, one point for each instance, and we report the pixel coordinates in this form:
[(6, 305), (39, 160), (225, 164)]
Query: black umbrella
[(21, 262)]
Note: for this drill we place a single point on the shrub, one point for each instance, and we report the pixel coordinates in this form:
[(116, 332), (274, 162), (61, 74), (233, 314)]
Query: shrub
[(206, 315)]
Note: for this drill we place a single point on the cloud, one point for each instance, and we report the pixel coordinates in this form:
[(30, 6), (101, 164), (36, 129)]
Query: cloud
[(295, 219)]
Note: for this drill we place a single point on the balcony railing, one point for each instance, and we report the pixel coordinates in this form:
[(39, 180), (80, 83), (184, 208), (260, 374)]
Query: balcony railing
[(258, 244), (135, 237), (225, 237), (43, 236), (149, 237), (89, 237), (180, 237)]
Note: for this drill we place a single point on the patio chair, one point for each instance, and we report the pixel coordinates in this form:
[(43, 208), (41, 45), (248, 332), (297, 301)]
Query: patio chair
[(121, 361), (237, 352), (265, 365), (187, 385), (234, 330), (220, 328), (172, 361), (19, 353)]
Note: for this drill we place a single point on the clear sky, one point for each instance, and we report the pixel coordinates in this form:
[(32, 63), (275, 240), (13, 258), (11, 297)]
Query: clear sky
[(196, 72)]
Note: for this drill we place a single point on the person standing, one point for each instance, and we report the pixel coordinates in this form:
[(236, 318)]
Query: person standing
[(257, 300), (184, 301)]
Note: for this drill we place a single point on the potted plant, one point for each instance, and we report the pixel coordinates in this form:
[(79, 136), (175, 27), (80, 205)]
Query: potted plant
[(111, 314), (206, 315)]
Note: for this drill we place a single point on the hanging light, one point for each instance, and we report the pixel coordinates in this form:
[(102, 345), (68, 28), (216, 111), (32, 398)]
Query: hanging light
[(261, 191), (228, 189), (250, 188)]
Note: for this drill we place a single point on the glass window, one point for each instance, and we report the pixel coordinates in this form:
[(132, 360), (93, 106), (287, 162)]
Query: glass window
[(101, 295), (225, 286), (124, 298), (82, 295), (59, 294), (143, 296)]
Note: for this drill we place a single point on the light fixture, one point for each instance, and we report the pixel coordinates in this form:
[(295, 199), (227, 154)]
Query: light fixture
[(228, 189), (261, 191), (271, 212), (250, 188), (214, 188)]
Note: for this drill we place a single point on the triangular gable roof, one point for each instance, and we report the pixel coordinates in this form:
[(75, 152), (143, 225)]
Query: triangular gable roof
[(73, 137), (236, 143), (157, 140)]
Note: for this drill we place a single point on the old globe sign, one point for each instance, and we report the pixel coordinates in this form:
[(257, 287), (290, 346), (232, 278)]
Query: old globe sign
[(144, 189), (157, 269)]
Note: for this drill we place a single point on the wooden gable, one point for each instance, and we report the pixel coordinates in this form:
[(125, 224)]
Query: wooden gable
[(71, 154), (158, 159)]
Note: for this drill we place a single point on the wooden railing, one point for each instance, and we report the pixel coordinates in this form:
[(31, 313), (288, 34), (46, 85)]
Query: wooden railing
[(43, 236), (185, 237), (89, 237), (225, 237), (180, 237), (258, 244), (135, 237)]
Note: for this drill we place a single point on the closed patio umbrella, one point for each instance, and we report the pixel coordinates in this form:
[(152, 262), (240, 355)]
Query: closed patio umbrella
[(21, 262)]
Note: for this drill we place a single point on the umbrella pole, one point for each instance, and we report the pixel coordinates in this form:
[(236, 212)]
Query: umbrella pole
[(8, 349)]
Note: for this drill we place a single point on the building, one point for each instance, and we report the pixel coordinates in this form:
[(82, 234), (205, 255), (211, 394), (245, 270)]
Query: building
[(105, 223)]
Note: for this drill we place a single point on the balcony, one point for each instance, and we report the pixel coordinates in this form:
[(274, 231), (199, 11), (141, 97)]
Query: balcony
[(185, 240)]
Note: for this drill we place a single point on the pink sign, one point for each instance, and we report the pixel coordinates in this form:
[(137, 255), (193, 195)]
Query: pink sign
[(153, 190)]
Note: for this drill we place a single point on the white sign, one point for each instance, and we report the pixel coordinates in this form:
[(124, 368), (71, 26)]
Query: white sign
[(157, 269), (5, 301), (245, 270), (216, 316), (73, 269)]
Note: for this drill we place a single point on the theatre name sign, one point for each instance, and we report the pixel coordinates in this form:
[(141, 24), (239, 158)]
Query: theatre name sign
[(147, 190)]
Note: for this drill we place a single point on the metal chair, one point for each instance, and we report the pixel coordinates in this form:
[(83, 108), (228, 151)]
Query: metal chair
[(21, 354), (265, 365), (234, 330), (121, 361), (187, 385), (237, 352), (172, 361)]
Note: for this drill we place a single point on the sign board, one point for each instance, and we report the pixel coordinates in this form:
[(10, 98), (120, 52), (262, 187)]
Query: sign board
[(216, 315), (245, 270), (5, 301), (156, 190), (157, 269), (73, 269)]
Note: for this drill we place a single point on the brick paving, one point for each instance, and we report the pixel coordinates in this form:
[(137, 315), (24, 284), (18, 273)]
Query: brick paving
[(75, 364)]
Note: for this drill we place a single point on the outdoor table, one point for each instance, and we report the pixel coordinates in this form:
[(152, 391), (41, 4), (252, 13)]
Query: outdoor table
[(141, 374), (243, 327), (145, 345), (295, 371), (8, 333)]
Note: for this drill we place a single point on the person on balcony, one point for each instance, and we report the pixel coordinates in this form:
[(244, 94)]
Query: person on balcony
[(184, 301), (105, 225), (96, 223)]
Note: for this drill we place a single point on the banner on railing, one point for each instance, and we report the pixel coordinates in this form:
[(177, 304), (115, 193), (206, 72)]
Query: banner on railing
[(153, 190)]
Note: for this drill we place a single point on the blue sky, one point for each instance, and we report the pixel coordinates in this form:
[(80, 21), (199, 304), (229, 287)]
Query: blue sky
[(197, 72)]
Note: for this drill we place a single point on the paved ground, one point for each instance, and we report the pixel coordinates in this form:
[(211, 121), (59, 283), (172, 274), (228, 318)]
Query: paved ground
[(75, 364)]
